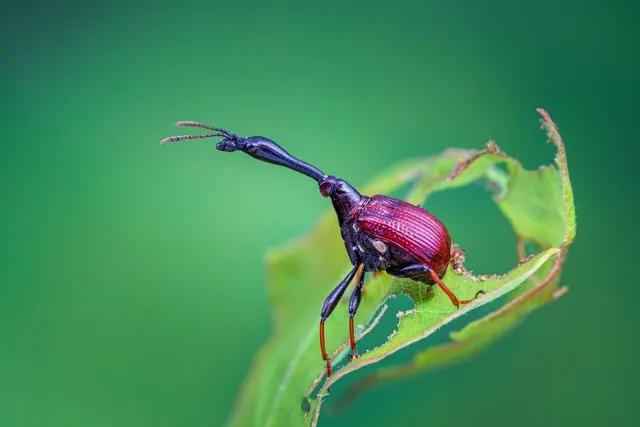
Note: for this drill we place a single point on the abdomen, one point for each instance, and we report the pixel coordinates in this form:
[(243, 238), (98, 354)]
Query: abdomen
[(408, 228)]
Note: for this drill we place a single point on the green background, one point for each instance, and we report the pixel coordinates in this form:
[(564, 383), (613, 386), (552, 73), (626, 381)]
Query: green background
[(132, 282)]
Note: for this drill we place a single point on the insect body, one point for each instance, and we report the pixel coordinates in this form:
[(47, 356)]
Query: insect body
[(380, 233)]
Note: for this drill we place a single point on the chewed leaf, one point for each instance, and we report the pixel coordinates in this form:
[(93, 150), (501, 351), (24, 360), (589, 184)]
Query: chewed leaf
[(429, 316), (539, 205), (285, 384)]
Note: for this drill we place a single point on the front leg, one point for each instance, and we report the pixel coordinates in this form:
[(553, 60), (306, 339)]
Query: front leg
[(330, 304), (354, 303), (414, 270)]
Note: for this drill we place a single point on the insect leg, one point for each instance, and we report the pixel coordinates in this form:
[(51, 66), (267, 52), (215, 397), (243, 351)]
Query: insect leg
[(328, 306), (414, 270), (454, 299), (354, 302), (450, 294), (409, 271)]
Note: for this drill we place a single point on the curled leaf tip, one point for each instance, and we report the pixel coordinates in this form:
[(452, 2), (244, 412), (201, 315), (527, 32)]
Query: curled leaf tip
[(560, 292), (491, 147)]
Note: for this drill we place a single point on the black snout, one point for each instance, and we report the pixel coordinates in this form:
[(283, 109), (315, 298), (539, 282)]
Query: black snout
[(230, 143)]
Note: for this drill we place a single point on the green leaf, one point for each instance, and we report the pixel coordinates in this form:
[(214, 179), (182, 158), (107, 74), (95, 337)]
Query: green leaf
[(284, 385)]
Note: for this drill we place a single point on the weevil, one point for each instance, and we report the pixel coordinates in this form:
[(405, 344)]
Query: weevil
[(380, 233)]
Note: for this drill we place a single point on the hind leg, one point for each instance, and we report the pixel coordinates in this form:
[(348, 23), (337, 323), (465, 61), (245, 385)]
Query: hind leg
[(415, 270)]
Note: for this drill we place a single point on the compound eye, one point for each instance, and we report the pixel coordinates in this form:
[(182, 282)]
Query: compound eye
[(326, 188)]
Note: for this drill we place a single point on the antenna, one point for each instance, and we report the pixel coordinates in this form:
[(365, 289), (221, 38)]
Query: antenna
[(188, 123)]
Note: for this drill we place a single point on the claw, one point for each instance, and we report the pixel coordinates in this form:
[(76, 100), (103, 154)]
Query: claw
[(328, 362), (467, 301)]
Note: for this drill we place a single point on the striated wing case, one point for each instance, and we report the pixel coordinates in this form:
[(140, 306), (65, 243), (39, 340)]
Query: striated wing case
[(408, 227)]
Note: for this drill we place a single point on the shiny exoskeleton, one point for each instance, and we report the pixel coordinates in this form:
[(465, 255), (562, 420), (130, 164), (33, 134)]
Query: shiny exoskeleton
[(380, 233)]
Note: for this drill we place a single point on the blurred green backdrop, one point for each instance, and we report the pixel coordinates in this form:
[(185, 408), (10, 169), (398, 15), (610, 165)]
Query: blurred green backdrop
[(132, 287)]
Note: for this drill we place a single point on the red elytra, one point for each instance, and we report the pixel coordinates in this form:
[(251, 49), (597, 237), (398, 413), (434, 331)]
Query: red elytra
[(408, 227)]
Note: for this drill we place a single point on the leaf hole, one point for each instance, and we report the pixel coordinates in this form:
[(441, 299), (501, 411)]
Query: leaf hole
[(477, 225)]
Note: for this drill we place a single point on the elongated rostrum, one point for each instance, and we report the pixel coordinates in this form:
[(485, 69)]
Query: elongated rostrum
[(380, 233)]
